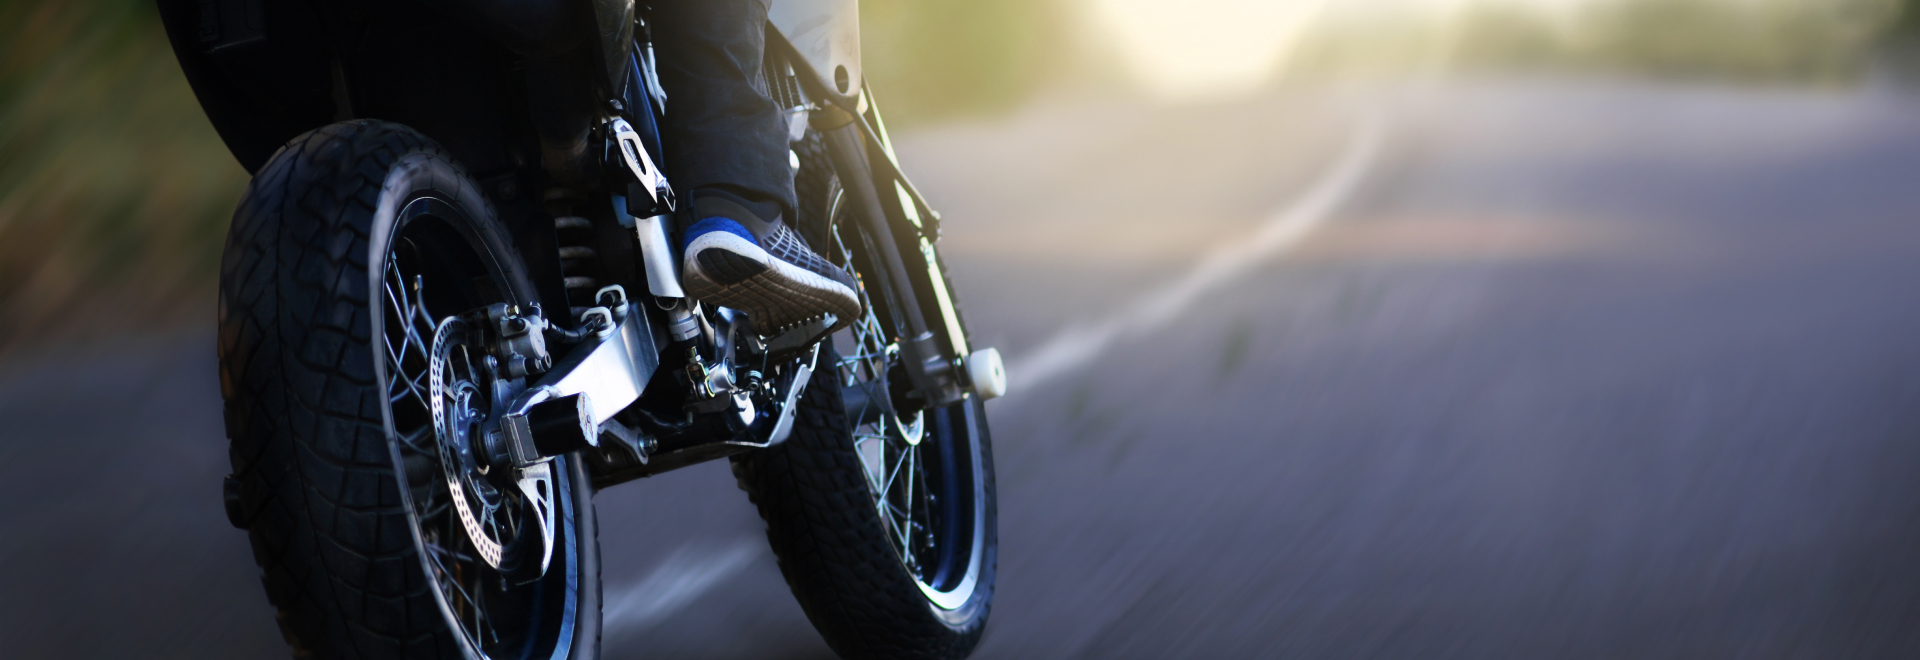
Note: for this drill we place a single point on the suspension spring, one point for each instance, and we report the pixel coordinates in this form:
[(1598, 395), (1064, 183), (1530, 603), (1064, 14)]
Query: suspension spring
[(578, 262)]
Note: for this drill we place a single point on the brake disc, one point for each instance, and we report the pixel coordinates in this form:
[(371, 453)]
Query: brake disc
[(490, 518)]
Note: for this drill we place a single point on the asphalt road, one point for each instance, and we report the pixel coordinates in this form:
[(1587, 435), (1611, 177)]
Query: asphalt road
[(1493, 370)]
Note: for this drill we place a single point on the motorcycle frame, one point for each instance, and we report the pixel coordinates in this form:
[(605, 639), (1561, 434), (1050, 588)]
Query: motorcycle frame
[(503, 101), (854, 140)]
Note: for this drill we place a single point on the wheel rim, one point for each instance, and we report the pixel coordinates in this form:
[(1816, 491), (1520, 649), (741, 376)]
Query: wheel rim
[(474, 537), (921, 469)]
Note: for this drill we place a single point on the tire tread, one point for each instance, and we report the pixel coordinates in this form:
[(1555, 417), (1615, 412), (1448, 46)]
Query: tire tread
[(812, 493), (302, 412)]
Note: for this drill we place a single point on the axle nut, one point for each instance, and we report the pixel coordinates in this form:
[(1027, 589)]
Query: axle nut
[(563, 424)]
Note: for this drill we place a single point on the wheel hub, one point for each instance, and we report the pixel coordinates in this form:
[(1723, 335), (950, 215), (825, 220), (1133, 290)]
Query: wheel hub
[(505, 534)]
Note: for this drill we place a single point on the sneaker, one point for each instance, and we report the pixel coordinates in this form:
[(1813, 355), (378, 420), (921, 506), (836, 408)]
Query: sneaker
[(735, 260)]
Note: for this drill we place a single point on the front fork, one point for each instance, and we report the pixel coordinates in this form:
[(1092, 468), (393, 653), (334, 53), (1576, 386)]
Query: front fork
[(938, 361)]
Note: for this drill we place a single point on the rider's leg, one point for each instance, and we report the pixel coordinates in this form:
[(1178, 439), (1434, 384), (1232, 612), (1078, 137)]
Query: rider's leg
[(727, 150), (726, 134)]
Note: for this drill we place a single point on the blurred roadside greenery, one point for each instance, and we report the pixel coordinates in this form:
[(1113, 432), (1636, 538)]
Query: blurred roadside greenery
[(1771, 41), (928, 60), (1906, 25), (115, 191)]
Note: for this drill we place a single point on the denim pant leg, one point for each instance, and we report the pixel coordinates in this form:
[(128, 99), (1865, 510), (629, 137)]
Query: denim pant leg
[(722, 134)]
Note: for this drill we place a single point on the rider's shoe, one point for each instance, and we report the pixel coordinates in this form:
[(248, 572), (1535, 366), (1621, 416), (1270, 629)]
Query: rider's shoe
[(733, 259)]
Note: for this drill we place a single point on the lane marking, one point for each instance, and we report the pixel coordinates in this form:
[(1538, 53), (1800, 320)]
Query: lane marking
[(693, 571), (1078, 345), (689, 573)]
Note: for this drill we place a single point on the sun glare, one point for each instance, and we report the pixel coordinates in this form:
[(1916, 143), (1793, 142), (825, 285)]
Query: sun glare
[(1218, 47), (1203, 47)]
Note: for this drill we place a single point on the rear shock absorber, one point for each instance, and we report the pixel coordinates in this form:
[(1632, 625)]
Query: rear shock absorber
[(579, 264)]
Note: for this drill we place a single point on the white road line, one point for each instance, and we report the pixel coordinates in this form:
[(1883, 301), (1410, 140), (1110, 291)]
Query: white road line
[(1078, 345), (689, 573)]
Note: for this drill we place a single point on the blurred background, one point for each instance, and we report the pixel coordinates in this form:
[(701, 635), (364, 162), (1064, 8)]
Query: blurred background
[(1357, 328)]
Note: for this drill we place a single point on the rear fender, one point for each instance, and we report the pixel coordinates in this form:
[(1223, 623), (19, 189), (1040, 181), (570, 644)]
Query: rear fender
[(261, 70)]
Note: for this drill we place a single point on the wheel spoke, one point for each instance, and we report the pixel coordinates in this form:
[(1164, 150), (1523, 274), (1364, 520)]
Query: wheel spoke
[(431, 376), (455, 555), (412, 439), (913, 469), (896, 529), (902, 456), (447, 578), (413, 387), (888, 448)]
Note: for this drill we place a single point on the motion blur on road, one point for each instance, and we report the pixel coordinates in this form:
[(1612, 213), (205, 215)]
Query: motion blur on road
[(1373, 359)]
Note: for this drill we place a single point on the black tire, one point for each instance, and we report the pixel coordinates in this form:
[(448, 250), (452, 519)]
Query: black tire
[(313, 452), (814, 187), (861, 590)]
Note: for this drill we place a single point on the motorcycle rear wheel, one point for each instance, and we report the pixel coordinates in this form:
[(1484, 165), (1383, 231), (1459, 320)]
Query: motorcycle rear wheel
[(341, 468)]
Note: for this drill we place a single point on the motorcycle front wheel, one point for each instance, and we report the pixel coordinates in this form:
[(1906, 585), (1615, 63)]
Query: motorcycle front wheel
[(884, 522), (353, 401)]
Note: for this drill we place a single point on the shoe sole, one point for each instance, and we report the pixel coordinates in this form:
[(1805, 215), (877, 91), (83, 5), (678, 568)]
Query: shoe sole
[(726, 270)]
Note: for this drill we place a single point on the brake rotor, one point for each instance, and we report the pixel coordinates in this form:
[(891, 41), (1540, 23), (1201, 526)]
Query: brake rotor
[(493, 523)]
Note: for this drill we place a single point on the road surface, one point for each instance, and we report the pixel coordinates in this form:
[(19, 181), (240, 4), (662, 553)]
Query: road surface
[(1538, 369)]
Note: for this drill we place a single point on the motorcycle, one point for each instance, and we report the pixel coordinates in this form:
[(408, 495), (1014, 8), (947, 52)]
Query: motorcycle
[(450, 312)]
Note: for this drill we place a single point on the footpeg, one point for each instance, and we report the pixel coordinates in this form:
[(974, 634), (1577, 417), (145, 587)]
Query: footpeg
[(646, 178), (801, 336)]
